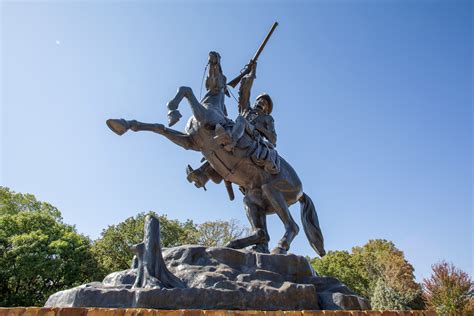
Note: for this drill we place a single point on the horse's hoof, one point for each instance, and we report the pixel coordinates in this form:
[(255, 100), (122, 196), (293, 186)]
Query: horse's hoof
[(118, 126), (278, 251), (173, 117), (260, 248), (231, 245)]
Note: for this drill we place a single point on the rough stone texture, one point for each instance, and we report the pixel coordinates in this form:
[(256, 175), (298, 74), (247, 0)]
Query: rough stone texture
[(220, 278), (35, 311)]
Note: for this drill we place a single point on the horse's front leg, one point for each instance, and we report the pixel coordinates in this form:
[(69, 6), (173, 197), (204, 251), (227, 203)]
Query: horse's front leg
[(180, 139), (196, 107), (120, 126)]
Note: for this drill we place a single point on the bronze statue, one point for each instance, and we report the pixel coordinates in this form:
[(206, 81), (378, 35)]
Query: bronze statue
[(240, 152), (265, 192), (220, 278)]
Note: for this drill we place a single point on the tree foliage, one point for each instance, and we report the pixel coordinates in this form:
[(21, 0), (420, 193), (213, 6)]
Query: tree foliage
[(448, 290), (378, 271), (385, 297), (219, 233), (112, 249), (345, 267), (39, 254)]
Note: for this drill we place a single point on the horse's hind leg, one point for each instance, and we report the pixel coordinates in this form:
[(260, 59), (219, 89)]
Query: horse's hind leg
[(258, 221), (278, 203)]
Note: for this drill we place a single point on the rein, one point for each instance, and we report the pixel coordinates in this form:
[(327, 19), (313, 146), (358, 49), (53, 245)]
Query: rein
[(202, 81)]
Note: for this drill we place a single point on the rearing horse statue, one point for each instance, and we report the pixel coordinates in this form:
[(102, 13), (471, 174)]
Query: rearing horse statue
[(265, 193)]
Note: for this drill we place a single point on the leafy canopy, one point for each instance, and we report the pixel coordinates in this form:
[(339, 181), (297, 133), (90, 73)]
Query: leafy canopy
[(378, 271), (112, 249), (39, 254), (219, 233), (448, 289)]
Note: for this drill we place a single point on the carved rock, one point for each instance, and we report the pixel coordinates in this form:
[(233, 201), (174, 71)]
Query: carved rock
[(220, 278), (151, 269)]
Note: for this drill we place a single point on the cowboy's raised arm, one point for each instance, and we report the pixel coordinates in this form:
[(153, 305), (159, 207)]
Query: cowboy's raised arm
[(245, 87)]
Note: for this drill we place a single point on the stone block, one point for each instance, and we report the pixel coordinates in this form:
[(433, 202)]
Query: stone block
[(167, 312), (71, 311), (31, 311), (105, 312), (217, 313), (46, 312), (16, 311), (312, 313), (247, 313), (191, 312), (274, 313)]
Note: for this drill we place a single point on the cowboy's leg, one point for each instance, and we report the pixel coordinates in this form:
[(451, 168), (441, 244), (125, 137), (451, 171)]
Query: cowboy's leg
[(230, 138), (238, 129)]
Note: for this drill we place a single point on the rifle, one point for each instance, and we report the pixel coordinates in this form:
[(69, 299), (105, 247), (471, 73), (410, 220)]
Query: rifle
[(244, 72)]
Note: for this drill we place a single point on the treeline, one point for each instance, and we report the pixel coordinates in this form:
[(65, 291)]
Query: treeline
[(40, 255), (380, 272)]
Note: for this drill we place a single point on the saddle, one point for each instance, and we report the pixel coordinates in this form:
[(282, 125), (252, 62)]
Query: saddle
[(242, 135)]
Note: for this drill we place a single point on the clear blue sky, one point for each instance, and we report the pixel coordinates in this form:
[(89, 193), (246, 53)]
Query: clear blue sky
[(373, 108)]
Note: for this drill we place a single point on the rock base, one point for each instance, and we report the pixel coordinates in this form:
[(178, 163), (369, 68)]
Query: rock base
[(220, 278)]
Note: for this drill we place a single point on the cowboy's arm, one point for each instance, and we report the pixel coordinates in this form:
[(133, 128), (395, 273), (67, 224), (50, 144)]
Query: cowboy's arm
[(267, 128), (244, 89)]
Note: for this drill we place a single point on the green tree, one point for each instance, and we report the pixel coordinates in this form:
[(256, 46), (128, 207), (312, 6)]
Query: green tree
[(385, 297), (346, 268), (39, 254), (376, 265), (112, 249), (448, 289), (219, 233), (382, 260)]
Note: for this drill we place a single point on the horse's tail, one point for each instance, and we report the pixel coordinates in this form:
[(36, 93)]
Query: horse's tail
[(310, 221)]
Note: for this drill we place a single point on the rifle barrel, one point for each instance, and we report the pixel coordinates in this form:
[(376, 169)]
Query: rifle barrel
[(262, 46), (237, 79)]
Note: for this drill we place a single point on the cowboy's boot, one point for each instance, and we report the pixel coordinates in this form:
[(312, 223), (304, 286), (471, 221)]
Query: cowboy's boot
[(223, 137)]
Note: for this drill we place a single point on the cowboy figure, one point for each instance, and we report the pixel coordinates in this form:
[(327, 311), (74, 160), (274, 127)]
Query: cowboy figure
[(257, 121)]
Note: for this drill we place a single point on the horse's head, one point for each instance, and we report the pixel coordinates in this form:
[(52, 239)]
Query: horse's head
[(215, 81), (214, 58)]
